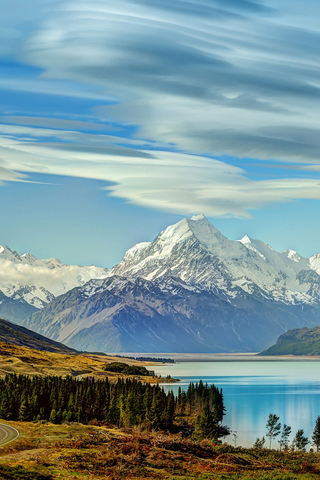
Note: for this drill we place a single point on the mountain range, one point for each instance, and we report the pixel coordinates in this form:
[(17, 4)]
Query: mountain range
[(28, 284), (190, 290)]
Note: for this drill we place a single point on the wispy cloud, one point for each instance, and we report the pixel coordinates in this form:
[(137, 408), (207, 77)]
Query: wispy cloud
[(208, 78), (167, 181), (216, 84)]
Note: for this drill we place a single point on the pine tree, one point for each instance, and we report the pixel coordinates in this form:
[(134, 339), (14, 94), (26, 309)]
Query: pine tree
[(273, 427), (206, 424), (259, 443), (24, 411), (53, 416), (300, 442), (316, 434), (284, 439)]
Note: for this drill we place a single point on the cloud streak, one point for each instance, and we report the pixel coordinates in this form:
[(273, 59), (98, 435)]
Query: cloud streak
[(167, 181), (207, 85), (193, 80)]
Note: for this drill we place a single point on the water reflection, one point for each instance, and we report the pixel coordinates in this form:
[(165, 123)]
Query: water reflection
[(252, 390)]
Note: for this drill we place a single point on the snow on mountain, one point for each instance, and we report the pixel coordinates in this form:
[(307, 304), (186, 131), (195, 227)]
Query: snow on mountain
[(120, 314), (195, 251), (37, 282), (191, 289), (315, 263)]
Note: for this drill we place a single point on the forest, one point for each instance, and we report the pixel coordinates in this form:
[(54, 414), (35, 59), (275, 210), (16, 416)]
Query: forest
[(126, 403)]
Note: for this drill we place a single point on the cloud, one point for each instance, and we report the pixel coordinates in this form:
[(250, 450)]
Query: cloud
[(208, 76), (57, 123), (166, 181)]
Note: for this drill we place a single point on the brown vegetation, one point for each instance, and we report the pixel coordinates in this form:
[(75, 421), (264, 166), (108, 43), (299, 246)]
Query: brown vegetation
[(95, 452), (27, 361)]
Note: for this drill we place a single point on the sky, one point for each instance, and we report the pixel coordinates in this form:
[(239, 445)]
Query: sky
[(120, 118)]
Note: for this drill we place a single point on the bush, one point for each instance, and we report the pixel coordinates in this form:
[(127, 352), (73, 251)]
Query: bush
[(119, 367)]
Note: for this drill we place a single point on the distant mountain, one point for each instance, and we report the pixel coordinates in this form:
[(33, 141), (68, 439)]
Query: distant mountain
[(299, 341), (195, 251), (190, 290), (27, 283), (15, 335)]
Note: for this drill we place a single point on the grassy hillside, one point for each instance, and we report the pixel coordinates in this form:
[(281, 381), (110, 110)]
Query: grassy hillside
[(300, 341), (51, 452), (17, 335), (29, 361)]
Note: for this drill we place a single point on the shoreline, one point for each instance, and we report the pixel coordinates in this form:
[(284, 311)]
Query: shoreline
[(226, 357)]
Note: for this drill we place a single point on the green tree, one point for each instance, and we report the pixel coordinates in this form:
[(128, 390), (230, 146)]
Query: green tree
[(284, 439), (316, 434), (24, 411), (206, 425), (300, 442), (259, 443), (53, 416), (273, 427)]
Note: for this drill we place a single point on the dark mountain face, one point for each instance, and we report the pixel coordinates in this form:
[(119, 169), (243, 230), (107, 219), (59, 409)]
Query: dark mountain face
[(15, 310), (17, 335), (137, 315)]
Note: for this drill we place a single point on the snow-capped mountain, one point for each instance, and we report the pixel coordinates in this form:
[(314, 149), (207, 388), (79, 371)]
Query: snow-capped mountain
[(195, 251), (191, 289), (30, 282), (122, 314)]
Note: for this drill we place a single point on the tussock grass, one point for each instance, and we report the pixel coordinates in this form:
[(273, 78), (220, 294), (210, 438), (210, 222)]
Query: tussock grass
[(94, 452)]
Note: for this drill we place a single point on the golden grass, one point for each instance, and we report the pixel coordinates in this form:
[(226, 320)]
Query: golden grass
[(27, 361)]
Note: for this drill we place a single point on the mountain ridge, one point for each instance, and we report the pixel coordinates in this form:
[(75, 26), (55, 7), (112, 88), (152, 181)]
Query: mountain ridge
[(28, 284), (13, 334), (189, 290), (298, 341)]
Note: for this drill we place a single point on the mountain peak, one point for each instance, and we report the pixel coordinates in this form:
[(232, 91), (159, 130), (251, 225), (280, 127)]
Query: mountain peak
[(197, 225), (246, 239), (293, 255), (198, 218), (29, 258)]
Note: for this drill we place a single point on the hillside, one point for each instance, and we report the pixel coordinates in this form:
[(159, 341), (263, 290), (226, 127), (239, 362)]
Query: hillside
[(20, 336), (46, 451), (28, 361), (299, 341)]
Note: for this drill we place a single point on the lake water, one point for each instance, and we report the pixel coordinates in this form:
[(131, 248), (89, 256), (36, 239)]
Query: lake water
[(254, 389)]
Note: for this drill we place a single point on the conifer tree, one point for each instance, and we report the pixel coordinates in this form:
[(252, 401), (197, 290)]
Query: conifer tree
[(259, 443), (300, 441), (273, 427), (206, 425), (53, 416), (24, 411), (316, 434), (284, 439)]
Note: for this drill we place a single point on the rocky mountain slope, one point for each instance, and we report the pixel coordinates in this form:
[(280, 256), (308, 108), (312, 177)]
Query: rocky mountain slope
[(27, 283), (299, 341), (190, 290)]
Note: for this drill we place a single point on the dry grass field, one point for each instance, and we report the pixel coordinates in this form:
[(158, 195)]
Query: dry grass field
[(91, 452), (27, 361)]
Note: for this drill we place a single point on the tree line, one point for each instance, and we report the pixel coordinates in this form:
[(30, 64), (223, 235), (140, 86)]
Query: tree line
[(299, 442), (127, 402)]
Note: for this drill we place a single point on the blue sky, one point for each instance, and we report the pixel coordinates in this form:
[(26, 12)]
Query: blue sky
[(119, 118)]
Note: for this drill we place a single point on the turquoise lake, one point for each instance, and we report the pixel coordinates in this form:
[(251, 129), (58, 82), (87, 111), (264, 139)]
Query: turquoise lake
[(254, 389)]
